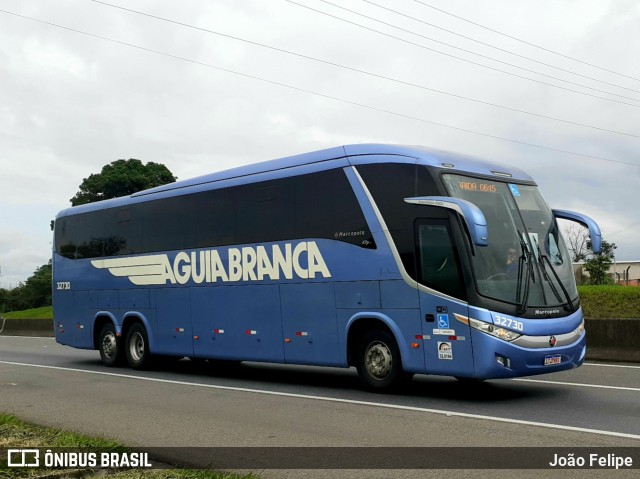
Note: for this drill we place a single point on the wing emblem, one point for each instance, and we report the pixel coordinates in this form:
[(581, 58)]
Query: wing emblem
[(141, 270)]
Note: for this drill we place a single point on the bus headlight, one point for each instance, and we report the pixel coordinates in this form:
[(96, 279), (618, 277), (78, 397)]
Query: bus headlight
[(580, 329), (501, 333)]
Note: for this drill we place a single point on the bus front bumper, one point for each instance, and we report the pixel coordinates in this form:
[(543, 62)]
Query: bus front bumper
[(495, 358)]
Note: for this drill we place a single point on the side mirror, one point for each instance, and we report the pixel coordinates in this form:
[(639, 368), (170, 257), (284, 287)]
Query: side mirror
[(594, 229), (471, 214)]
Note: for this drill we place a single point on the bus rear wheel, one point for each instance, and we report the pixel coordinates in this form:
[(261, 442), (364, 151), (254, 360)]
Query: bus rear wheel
[(379, 364), (136, 347), (110, 346)]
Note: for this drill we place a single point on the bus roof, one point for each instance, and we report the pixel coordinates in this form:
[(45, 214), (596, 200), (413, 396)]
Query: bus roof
[(336, 157), (357, 154)]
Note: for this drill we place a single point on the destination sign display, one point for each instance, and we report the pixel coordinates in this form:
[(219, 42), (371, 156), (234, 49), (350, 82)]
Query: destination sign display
[(467, 185)]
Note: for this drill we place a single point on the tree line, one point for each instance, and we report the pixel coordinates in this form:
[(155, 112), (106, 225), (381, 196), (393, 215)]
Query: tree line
[(34, 293), (119, 178)]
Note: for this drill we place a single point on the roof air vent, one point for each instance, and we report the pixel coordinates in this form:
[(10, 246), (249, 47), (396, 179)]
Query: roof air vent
[(501, 173)]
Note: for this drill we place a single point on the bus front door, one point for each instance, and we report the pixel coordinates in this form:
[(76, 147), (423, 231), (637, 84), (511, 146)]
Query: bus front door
[(446, 339)]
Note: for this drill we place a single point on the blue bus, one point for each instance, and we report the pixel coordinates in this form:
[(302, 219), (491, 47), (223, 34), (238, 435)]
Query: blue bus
[(397, 260)]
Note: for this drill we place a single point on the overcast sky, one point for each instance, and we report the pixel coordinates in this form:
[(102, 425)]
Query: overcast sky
[(71, 103)]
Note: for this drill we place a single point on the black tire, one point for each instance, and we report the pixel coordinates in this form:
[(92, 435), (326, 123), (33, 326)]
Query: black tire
[(379, 363), (110, 346), (136, 347)]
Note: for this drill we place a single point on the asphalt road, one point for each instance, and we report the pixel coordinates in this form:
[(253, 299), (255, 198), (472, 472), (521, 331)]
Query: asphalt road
[(259, 405)]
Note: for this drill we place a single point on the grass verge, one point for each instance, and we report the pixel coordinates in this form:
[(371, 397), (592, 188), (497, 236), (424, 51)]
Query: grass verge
[(15, 433), (610, 302), (46, 312)]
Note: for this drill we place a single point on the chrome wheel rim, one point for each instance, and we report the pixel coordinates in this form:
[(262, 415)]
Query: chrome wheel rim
[(109, 346), (378, 360), (136, 346)]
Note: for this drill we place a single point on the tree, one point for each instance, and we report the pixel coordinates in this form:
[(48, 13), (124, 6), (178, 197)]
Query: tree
[(34, 293), (577, 239), (121, 178), (598, 264), (4, 294), (38, 286)]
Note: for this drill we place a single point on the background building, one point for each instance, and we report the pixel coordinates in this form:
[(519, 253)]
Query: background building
[(620, 272)]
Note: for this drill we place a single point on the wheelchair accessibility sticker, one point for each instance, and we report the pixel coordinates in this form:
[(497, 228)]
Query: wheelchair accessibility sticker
[(443, 321)]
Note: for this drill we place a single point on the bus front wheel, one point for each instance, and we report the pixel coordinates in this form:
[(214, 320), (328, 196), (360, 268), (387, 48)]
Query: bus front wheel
[(110, 346), (379, 364), (137, 347)]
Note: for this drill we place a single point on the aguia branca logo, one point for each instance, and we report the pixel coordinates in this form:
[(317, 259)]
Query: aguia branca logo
[(303, 260)]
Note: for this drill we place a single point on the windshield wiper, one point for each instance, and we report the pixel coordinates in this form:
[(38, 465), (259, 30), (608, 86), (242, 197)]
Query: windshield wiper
[(542, 259), (525, 258), (564, 290), (545, 275)]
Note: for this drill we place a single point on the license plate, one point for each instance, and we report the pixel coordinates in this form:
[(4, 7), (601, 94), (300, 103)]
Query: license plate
[(552, 360)]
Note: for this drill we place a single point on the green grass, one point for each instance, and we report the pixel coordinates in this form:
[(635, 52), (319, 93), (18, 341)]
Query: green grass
[(19, 434), (46, 312), (14, 432), (173, 474), (610, 302)]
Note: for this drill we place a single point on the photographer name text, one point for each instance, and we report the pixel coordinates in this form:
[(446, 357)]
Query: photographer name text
[(610, 461)]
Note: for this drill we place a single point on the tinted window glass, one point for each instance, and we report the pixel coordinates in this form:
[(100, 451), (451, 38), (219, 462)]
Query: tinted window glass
[(318, 205), (437, 262), (389, 185)]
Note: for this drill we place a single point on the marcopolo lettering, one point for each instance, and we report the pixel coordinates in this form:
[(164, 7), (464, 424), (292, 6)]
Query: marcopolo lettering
[(302, 260)]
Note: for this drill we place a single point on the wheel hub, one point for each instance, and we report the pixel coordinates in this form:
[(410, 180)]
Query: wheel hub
[(136, 346), (109, 345), (378, 360)]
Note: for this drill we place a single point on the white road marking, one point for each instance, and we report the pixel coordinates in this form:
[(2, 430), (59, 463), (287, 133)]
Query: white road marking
[(611, 365), (564, 383), (339, 400)]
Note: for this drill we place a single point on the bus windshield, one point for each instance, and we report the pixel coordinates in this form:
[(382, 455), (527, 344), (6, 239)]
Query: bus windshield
[(526, 262)]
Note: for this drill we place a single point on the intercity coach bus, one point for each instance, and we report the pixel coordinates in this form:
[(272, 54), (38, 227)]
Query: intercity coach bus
[(397, 260)]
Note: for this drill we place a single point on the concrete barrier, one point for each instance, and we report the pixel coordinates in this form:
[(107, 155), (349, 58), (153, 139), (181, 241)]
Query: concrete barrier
[(607, 339), (613, 339), (27, 327)]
